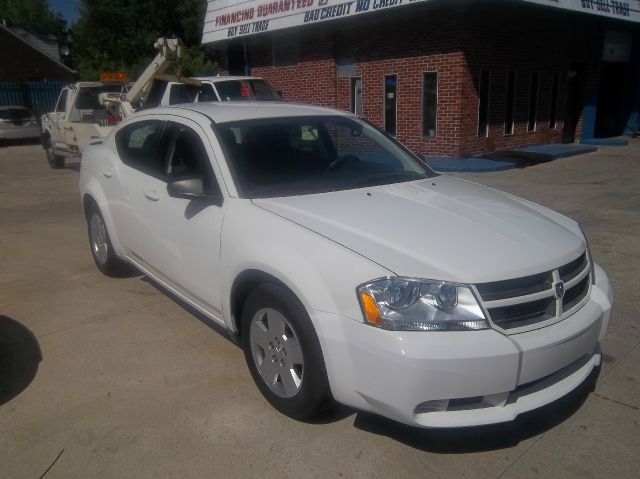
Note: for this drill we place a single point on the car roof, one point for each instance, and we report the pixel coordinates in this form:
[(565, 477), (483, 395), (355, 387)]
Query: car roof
[(13, 107), (222, 112), (220, 78)]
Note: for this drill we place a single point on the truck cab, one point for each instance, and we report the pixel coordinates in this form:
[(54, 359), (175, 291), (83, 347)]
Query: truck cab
[(80, 115)]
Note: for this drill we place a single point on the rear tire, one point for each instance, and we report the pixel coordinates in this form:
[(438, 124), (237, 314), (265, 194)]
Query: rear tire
[(55, 161), (283, 353), (102, 250)]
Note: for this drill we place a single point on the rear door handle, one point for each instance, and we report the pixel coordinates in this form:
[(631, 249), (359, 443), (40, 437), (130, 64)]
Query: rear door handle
[(107, 173), (152, 195)]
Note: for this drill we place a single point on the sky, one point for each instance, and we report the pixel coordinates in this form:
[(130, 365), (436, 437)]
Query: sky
[(67, 8)]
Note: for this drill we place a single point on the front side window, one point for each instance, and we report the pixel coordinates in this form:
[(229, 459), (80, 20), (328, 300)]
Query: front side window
[(185, 156), (305, 155), (61, 107), (137, 146)]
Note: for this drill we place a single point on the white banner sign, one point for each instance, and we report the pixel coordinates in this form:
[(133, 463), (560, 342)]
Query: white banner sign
[(624, 10), (228, 19)]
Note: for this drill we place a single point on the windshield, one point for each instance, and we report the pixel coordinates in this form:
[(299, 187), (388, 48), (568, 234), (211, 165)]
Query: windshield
[(303, 155), (15, 114), (89, 96), (246, 90)]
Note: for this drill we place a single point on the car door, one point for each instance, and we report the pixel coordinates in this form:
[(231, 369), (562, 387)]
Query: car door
[(177, 239), (57, 116)]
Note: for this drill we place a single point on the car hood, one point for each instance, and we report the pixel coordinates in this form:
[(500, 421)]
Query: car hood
[(441, 228)]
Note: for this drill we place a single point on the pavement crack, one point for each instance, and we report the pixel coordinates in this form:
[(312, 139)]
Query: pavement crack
[(615, 401), (52, 464)]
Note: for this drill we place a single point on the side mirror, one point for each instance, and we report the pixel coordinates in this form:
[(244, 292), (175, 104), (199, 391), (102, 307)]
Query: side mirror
[(191, 189)]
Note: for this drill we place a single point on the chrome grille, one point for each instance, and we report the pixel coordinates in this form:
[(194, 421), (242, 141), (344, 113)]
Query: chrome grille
[(574, 295), (524, 302)]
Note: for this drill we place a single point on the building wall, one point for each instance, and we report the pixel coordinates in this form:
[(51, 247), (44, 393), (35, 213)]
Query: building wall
[(457, 42), (312, 81)]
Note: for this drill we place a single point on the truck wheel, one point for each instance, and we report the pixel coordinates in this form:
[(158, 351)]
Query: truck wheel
[(55, 161), (102, 250), (283, 352)]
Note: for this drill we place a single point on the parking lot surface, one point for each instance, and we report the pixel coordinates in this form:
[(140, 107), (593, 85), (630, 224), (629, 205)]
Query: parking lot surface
[(103, 377)]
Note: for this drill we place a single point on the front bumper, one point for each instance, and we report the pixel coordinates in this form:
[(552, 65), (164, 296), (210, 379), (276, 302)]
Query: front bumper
[(455, 379), (20, 132)]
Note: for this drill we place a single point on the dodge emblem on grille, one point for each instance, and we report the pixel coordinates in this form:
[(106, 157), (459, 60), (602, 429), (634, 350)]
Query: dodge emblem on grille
[(559, 287)]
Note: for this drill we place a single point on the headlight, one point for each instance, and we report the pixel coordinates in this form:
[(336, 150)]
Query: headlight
[(408, 304)]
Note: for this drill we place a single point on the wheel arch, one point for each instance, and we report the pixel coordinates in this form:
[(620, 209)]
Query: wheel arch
[(94, 196), (87, 202), (244, 283)]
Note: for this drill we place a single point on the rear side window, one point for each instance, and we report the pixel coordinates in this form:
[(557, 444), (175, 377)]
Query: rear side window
[(182, 94), (207, 93), (138, 146)]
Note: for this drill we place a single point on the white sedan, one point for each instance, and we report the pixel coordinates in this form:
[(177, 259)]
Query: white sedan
[(345, 267)]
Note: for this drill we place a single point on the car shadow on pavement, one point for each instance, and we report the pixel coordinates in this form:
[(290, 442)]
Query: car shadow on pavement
[(20, 357), (198, 315), (20, 142), (481, 438)]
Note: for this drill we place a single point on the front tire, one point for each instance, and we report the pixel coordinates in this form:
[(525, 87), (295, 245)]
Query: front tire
[(283, 352), (55, 161), (101, 248)]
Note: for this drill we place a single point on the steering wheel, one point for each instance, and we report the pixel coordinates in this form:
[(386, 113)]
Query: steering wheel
[(342, 160)]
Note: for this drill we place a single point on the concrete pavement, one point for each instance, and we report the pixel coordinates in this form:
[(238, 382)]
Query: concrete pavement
[(107, 378)]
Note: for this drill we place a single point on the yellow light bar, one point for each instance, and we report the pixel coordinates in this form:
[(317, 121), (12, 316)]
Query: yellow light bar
[(113, 76)]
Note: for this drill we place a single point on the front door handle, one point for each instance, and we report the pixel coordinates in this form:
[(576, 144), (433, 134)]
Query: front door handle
[(152, 195), (107, 173)]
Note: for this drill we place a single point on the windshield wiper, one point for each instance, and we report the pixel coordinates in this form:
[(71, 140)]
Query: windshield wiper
[(387, 179)]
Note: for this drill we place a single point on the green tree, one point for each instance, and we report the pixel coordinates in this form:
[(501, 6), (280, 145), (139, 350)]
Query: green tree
[(35, 16), (119, 35)]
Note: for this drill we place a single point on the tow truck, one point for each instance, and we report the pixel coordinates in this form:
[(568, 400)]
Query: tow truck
[(87, 110)]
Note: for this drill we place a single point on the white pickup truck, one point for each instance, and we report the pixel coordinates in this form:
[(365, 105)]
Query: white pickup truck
[(80, 114)]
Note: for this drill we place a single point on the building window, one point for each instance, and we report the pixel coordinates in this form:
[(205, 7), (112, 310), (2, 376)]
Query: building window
[(510, 101), (285, 50), (390, 104), (553, 110), (429, 104), (356, 96), (533, 102), (483, 109)]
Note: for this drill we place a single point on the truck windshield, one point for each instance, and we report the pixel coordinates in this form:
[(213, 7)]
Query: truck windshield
[(277, 157), (246, 90)]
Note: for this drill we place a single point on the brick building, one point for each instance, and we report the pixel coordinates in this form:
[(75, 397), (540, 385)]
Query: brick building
[(454, 77)]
